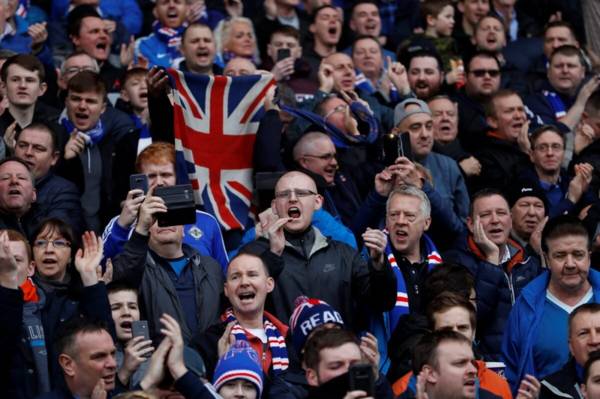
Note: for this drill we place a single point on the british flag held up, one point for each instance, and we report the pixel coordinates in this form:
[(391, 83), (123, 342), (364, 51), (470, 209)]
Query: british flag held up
[(216, 120)]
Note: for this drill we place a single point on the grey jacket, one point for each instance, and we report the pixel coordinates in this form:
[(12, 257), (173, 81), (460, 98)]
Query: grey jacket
[(137, 267)]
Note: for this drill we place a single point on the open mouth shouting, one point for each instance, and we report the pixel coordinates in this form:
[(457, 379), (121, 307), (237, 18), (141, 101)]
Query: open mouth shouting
[(294, 212)]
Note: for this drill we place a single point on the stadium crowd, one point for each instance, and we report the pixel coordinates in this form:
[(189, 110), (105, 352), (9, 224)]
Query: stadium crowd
[(299, 199)]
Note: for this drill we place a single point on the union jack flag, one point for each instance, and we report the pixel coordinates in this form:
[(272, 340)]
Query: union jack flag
[(216, 119)]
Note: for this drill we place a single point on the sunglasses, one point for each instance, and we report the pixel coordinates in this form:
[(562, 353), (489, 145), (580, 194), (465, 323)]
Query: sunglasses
[(479, 73)]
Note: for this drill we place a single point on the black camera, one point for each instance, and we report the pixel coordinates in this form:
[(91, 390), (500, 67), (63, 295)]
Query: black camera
[(181, 208)]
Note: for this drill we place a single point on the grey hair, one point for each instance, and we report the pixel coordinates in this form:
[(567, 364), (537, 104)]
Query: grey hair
[(75, 54), (411, 191)]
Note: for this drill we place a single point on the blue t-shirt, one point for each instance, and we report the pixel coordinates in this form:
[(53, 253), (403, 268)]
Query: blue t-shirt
[(551, 348)]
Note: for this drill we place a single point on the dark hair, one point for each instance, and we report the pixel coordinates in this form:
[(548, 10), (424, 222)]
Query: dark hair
[(560, 24), (87, 81), (51, 225), (481, 54), (76, 16), (484, 193), (318, 10), (535, 135), (593, 358), (18, 160), (117, 286), (68, 331), (448, 300), (569, 50), (286, 30), (591, 307), (425, 53), (27, 61), (195, 25), (490, 105), (254, 251), (448, 277), (359, 2), (433, 7), (44, 128), (324, 339), (563, 225), (133, 72), (425, 352), (363, 37), (592, 106)]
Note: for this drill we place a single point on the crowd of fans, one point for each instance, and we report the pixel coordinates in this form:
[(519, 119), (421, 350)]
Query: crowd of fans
[(424, 223)]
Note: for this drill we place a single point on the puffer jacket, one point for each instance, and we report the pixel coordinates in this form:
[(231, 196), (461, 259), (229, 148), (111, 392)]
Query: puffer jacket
[(497, 287)]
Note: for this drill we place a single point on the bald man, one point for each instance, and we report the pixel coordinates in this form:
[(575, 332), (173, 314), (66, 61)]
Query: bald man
[(304, 262), (316, 154)]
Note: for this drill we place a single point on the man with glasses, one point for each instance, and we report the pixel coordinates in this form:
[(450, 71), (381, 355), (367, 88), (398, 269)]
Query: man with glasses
[(482, 80), (316, 154), (546, 303), (304, 262), (563, 192)]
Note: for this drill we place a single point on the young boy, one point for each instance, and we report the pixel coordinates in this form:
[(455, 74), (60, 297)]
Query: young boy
[(134, 96), (131, 352), (439, 23)]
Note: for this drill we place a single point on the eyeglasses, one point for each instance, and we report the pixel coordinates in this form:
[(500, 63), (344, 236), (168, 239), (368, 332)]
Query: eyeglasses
[(298, 192), (479, 73), (545, 147), (339, 108), (75, 69), (325, 157), (55, 243)]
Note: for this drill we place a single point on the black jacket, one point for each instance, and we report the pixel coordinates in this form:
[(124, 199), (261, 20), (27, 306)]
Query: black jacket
[(333, 272), (562, 384)]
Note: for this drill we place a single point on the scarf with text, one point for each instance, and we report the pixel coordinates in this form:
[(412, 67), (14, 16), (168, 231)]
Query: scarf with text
[(276, 342), (402, 303)]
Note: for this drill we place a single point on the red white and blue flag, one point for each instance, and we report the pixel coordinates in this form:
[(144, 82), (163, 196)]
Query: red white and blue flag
[(216, 120)]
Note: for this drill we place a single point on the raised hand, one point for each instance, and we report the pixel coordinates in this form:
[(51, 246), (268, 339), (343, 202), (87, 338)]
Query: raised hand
[(226, 340), (135, 354), (156, 370), (580, 183), (87, 259), (74, 146), (529, 388), (148, 210), (370, 351), (38, 34), (131, 207), (396, 72), (172, 331), (375, 241), (9, 270), (126, 53), (325, 76), (487, 246)]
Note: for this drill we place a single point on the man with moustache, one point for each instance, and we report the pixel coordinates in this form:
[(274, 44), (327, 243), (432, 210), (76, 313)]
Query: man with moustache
[(425, 74)]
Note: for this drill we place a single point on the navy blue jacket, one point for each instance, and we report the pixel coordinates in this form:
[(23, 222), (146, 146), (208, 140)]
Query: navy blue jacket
[(59, 307), (497, 288)]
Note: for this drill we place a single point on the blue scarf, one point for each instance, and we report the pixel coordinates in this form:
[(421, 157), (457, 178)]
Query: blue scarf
[(92, 136), (365, 84), (339, 138), (557, 104), (145, 137), (276, 342), (402, 305), (170, 36)]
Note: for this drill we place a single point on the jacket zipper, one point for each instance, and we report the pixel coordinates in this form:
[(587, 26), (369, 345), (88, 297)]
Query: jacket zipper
[(511, 288)]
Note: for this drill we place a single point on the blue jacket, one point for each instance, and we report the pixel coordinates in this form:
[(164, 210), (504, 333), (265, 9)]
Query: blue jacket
[(20, 42), (154, 50), (205, 236), (449, 182), (127, 12), (497, 287), (522, 324)]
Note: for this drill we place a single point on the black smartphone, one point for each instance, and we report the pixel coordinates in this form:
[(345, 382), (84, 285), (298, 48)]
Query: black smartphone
[(404, 147), (283, 53), (361, 378), (181, 207), (139, 181), (139, 328)]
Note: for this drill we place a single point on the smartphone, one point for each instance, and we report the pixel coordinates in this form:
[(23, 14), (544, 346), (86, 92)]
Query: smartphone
[(361, 379), (404, 147), (283, 53), (138, 181), (139, 328)]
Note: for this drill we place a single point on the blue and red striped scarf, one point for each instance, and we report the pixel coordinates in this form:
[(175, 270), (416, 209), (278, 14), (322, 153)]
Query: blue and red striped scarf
[(170, 36), (276, 342), (402, 303)]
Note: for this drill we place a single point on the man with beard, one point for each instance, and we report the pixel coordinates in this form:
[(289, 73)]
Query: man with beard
[(547, 302), (173, 277), (304, 262), (482, 80), (500, 266), (425, 74)]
